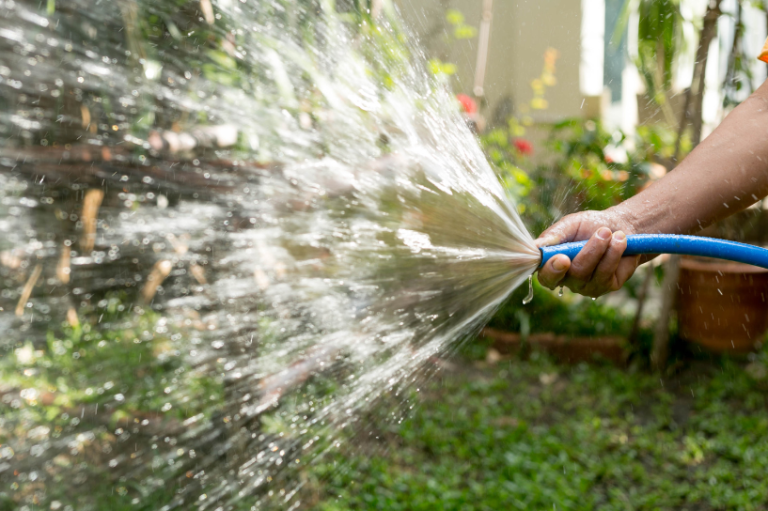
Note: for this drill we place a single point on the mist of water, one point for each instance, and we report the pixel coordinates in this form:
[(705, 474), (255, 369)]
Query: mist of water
[(225, 227)]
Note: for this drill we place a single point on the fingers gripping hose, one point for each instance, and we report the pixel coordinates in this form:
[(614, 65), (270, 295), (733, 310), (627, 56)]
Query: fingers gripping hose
[(673, 244)]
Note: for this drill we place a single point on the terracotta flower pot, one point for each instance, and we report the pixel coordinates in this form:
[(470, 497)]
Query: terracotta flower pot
[(721, 305)]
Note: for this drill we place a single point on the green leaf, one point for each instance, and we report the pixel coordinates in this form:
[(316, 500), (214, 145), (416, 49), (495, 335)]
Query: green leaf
[(222, 59), (437, 67), (464, 32), (454, 17)]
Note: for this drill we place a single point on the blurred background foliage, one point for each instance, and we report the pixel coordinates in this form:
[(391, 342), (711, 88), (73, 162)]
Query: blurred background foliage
[(486, 436)]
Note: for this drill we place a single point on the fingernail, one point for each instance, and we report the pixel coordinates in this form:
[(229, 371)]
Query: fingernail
[(619, 236), (604, 233), (559, 264)]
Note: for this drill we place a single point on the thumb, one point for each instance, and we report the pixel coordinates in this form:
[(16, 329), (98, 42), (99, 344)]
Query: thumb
[(561, 232)]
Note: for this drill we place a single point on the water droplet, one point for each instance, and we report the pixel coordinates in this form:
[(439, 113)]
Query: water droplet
[(528, 299), (560, 293)]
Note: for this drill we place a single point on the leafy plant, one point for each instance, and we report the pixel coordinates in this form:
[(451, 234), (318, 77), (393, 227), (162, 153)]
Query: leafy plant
[(460, 29), (537, 435), (116, 373), (660, 41), (581, 171), (569, 314)]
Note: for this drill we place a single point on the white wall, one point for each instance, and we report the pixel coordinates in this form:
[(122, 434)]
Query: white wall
[(592, 47)]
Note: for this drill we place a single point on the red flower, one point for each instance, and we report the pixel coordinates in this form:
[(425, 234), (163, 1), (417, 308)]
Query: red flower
[(468, 105), (523, 146)]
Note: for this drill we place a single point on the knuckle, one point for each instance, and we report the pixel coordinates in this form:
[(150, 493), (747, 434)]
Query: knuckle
[(580, 272), (617, 249)]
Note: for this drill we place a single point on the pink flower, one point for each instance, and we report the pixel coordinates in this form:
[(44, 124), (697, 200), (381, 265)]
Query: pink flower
[(523, 146), (468, 105)]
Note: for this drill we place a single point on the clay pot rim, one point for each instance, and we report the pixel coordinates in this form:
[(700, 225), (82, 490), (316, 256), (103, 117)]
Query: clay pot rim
[(707, 264)]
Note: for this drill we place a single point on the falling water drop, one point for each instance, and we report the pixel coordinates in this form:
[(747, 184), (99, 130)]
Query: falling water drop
[(528, 299), (560, 293)]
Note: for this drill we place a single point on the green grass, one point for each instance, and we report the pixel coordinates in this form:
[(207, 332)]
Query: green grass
[(536, 435), (522, 434)]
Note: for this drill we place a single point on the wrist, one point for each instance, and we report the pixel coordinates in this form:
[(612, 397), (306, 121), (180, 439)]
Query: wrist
[(626, 220)]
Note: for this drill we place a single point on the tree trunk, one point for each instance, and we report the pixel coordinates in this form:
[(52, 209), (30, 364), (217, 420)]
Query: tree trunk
[(708, 33), (660, 350), (641, 297), (694, 95), (683, 124)]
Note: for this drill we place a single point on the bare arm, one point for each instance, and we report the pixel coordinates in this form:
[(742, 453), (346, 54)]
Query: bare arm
[(726, 173)]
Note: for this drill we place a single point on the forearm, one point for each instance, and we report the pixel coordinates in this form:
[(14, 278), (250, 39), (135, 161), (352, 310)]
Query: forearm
[(726, 173)]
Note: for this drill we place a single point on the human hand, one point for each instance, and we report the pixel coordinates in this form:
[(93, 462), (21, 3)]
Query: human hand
[(599, 268)]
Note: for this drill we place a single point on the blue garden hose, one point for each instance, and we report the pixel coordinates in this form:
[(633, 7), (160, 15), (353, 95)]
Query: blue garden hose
[(674, 244)]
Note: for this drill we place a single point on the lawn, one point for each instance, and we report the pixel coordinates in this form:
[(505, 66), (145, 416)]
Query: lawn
[(532, 434), (525, 432)]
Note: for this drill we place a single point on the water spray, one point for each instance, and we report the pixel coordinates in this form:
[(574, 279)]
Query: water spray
[(225, 229)]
